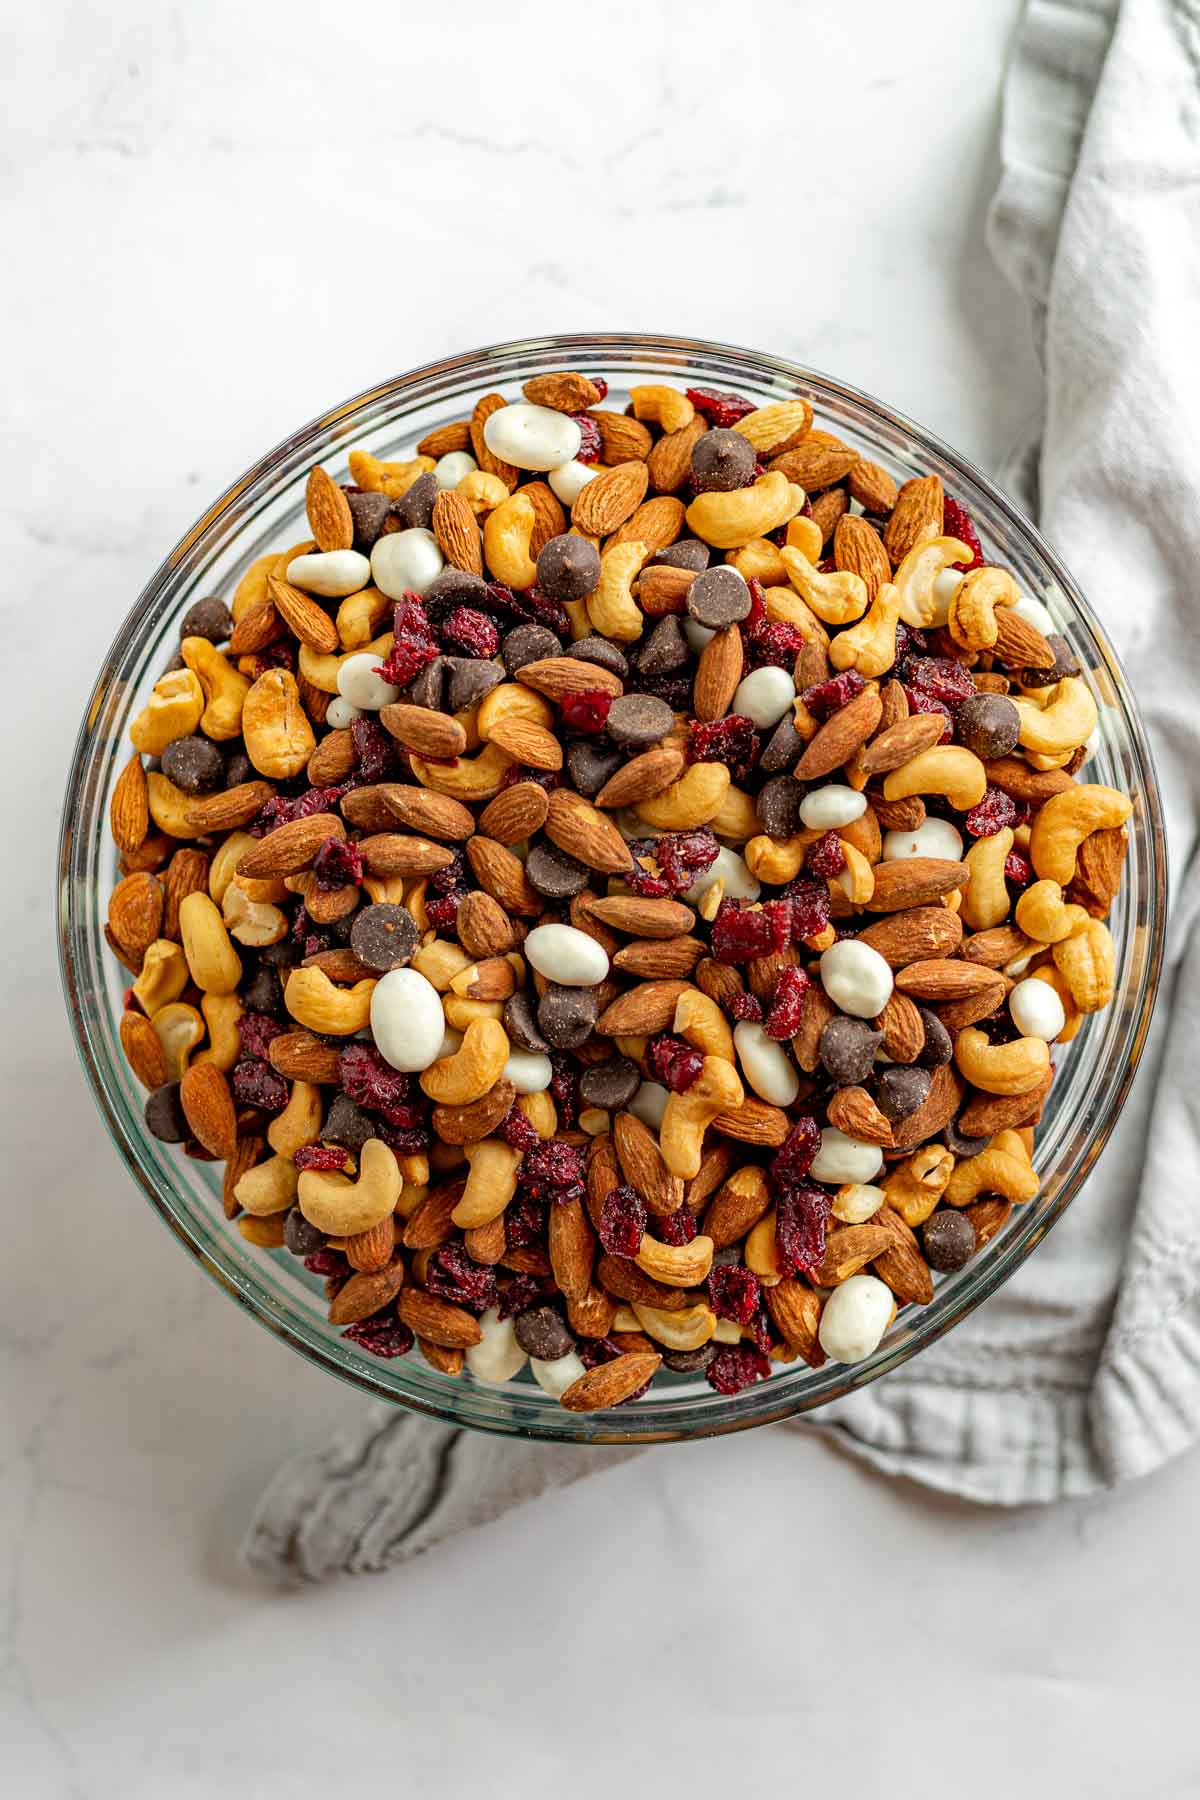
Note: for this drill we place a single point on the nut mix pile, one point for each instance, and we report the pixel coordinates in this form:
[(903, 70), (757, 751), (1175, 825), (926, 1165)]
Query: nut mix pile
[(610, 900)]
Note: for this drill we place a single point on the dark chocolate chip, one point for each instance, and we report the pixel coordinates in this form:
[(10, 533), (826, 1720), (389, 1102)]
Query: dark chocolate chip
[(368, 511), (590, 765), (300, 1237), (415, 508), (718, 598), (526, 644), (567, 1015), (950, 1240), (568, 567), (783, 748), (721, 461), (542, 1333), (665, 649), (901, 1090), (209, 619), (470, 679), (555, 874), (600, 651), (456, 587), (939, 1045), (847, 1050), (636, 721), (1065, 663), (164, 1114), (778, 806), (689, 553), (347, 1124), (283, 955), (988, 724), (428, 686), (611, 1084), (689, 1362), (383, 936), (963, 1147), (194, 764), (521, 1023), (238, 768), (265, 993)]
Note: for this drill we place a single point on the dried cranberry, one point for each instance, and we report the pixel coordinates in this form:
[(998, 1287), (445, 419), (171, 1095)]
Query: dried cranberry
[(338, 863), (521, 1292), (443, 911), (404, 1143), (736, 1367), (600, 385), (675, 1063), (374, 750), (279, 656), (406, 658), (564, 1088), (801, 1215), (524, 1221), (450, 876), (678, 1227), (326, 1157), (469, 633), (957, 523), (409, 618), (828, 697), (919, 701), (594, 1351), (676, 690), (910, 642), (826, 857), (326, 1262), (590, 441), (996, 810), (586, 710), (797, 1152), (739, 935), (730, 740), (733, 1292), (776, 646), (1017, 869), (756, 618), (256, 1031), (787, 1003), (381, 1336), (256, 1083), (718, 407), (760, 1325), (453, 1275), (622, 1221), (280, 810), (516, 1130), (942, 677), (682, 856), (745, 1006), (370, 1081), (554, 1171), (646, 883)]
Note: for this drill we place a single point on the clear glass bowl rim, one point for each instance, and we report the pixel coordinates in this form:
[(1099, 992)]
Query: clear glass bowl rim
[(528, 1412)]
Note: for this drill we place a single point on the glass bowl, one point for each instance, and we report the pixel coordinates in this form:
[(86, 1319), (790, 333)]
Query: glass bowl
[(264, 509)]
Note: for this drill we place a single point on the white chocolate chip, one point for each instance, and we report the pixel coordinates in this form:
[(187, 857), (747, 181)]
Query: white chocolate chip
[(407, 1021), (825, 808), (562, 953), (854, 1318), (331, 573), (857, 979), (764, 696), (532, 437), (765, 1064), (697, 634), (405, 561), (1036, 1009)]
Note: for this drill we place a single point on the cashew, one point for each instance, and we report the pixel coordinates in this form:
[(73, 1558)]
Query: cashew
[(440, 961), (300, 1121), (917, 576), (252, 922), (761, 1251), (479, 777), (993, 1171), (972, 617), (163, 977), (1041, 914), (179, 1029), (341, 1207), (472, 1069), (701, 1023), (737, 818), (491, 1183), (870, 646), (279, 738), (509, 700), (759, 560), (776, 860), (676, 1265), (985, 902), (215, 965), (913, 1188), (221, 1014), (665, 406), (169, 805), (695, 799), (785, 607), (726, 521), (857, 879), (314, 1001), (506, 534), (360, 616), (224, 689), (269, 1187), (251, 590), (947, 769), (1087, 962), (838, 598), (612, 609), (1065, 820), (686, 1329), (539, 1109), (1066, 720), (1001, 1068), (460, 1011), (482, 492), (172, 711), (687, 1116), (391, 478)]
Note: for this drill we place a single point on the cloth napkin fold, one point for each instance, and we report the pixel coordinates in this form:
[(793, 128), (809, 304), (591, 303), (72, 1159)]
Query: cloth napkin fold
[(1085, 1369)]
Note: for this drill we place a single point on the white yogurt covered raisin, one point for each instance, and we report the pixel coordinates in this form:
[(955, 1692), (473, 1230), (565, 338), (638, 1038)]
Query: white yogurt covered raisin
[(532, 437), (406, 560), (856, 978), (825, 808), (854, 1318), (764, 696), (331, 573), (562, 953), (407, 1021)]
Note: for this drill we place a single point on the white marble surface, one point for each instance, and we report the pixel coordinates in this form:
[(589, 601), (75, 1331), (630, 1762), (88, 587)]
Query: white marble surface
[(219, 219)]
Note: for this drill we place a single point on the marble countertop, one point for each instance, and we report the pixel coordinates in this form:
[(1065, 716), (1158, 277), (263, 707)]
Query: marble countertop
[(219, 220)]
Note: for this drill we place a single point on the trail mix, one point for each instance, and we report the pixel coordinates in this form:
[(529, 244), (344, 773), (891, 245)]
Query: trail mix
[(609, 895)]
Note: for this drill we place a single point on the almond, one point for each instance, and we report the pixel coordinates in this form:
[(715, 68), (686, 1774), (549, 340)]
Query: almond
[(896, 815), (988, 1217), (572, 1246), (341, 966), (1098, 865), (817, 461), (737, 1207), (129, 807), (916, 517), (591, 1315), (795, 1312), (458, 536), (986, 1114), (366, 1293), (625, 1281), (429, 1317), (527, 742), (970, 1008), (135, 911), (563, 391), (419, 728), (816, 1010), (872, 487), (899, 743), (643, 1011), (622, 439), (315, 701), (229, 809), (718, 673), (608, 1384), (901, 1265), (754, 1122), (486, 1243), (840, 736), (853, 1111), (576, 826), (609, 500), (1020, 782), (392, 853), (670, 461), (557, 676), (941, 1104), (300, 1056), (444, 439), (290, 848), (492, 979), (143, 1049), (483, 926), (995, 947), (502, 875), (446, 1362), (857, 547), (643, 1167), (643, 776), (303, 617), (1019, 644), (944, 978), (675, 956), (471, 1123), (849, 1248), (430, 1225), (644, 918), (579, 916), (915, 881), (491, 465), (549, 519), (662, 589), (516, 813), (903, 1029), (186, 873), (827, 509), (208, 1108), (329, 517), (437, 815), (333, 759), (656, 523)]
